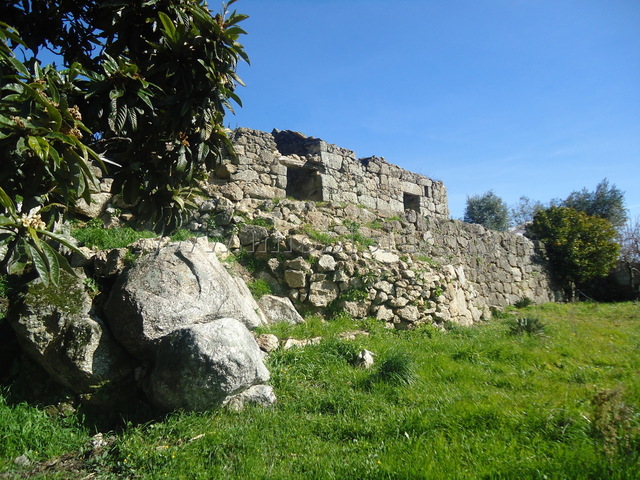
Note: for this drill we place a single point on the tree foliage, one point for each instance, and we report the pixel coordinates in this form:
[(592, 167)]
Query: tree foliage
[(579, 247), (606, 201), (524, 211), (488, 210), (145, 88)]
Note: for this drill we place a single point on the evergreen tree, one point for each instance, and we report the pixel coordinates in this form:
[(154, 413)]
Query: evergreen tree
[(488, 210)]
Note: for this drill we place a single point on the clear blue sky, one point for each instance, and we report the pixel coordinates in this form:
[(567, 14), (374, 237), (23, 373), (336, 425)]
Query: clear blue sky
[(522, 97)]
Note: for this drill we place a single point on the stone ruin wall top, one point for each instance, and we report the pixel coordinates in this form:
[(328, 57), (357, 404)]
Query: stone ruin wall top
[(289, 164)]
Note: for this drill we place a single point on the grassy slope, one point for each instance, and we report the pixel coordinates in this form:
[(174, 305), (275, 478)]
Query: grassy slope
[(482, 404)]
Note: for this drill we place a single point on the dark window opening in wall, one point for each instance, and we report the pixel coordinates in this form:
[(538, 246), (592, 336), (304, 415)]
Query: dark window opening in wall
[(411, 202), (427, 191), (304, 184)]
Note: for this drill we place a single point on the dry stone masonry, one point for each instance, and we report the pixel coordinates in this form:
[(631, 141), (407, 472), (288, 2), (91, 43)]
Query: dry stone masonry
[(362, 236), (288, 164)]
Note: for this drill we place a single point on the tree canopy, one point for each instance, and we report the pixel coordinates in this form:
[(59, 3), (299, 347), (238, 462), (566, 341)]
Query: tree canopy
[(143, 92), (579, 247), (606, 201), (488, 210), (524, 211)]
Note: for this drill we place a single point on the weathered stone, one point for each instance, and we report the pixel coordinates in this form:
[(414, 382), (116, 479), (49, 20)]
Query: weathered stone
[(55, 327), (279, 309), (203, 365), (109, 263), (290, 343), (326, 263), (384, 313), (252, 234), (261, 395), (176, 286), (99, 202), (352, 334), (295, 278), (225, 170), (322, 293), (409, 313), (383, 256), (268, 342), (364, 359), (299, 263), (358, 309)]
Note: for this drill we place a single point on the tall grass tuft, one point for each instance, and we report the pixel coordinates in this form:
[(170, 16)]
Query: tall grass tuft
[(396, 367)]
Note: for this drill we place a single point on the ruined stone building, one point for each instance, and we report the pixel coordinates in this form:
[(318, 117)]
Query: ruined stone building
[(288, 164)]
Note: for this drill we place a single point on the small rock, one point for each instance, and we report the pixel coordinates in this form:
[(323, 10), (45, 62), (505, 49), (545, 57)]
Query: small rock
[(279, 309), (295, 278), (268, 342), (351, 335), (326, 263), (364, 359), (292, 342), (22, 461)]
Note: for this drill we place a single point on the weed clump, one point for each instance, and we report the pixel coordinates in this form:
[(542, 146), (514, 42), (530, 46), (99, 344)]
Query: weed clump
[(528, 326), (396, 368), (613, 425), (524, 302), (259, 288)]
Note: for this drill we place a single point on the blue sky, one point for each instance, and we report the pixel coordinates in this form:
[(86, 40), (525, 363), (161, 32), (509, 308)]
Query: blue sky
[(522, 97)]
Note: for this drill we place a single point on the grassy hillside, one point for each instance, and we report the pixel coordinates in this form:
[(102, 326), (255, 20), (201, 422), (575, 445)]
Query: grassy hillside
[(556, 396)]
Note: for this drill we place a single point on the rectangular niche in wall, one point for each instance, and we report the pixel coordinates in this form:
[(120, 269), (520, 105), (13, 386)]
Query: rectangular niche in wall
[(304, 184), (411, 202)]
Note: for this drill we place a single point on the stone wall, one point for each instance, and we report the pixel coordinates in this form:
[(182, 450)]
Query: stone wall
[(288, 164), (402, 270), (336, 233)]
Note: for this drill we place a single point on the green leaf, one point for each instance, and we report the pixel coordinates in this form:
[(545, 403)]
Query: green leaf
[(64, 241), (236, 18), (17, 263), (169, 27), (19, 66), (7, 203), (53, 112), (34, 145), (61, 137), (121, 117), (53, 262), (39, 262)]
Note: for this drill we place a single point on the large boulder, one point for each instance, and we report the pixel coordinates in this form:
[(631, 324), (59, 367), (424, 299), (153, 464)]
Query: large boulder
[(55, 326), (207, 365), (178, 285)]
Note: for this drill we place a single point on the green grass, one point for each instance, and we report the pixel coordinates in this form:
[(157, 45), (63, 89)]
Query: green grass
[(259, 288), (102, 238), (467, 403)]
